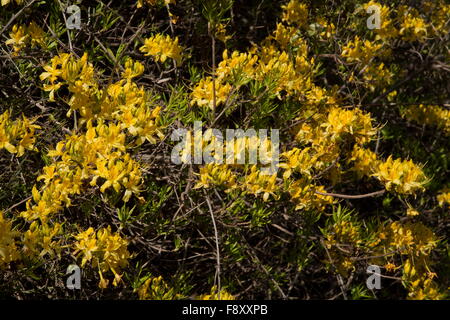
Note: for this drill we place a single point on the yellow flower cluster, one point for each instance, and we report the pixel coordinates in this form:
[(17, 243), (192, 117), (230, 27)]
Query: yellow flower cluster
[(203, 94), (22, 35), (123, 102), (237, 68), (238, 63), (397, 175), (8, 249), (365, 53), (429, 115), (343, 232), (409, 238), (162, 47), (284, 35), (38, 240), (247, 178), (364, 160), (440, 13), (353, 122), (78, 74), (403, 177), (259, 64), (303, 193), (96, 154), (221, 33), (328, 29), (406, 22), (257, 183), (141, 3), (357, 50), (419, 280), (295, 12), (298, 160), (18, 135), (325, 134), (377, 76), (412, 26), (99, 153), (155, 288), (387, 29), (401, 22), (415, 241), (252, 181), (292, 77), (5, 2), (106, 251), (214, 295), (444, 198), (218, 175), (342, 239)]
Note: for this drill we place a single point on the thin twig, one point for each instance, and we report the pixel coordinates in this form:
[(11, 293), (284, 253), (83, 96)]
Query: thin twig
[(216, 234), (14, 17), (17, 204), (338, 276), (345, 196), (213, 71)]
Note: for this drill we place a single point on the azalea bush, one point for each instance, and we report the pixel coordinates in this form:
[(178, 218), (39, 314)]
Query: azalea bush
[(87, 120)]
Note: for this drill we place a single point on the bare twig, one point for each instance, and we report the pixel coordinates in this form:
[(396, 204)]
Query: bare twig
[(216, 234), (344, 196), (14, 17)]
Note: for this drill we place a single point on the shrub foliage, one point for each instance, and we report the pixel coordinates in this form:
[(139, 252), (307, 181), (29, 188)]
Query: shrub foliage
[(87, 114)]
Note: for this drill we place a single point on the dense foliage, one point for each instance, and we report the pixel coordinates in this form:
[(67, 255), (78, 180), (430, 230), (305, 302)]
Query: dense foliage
[(86, 155)]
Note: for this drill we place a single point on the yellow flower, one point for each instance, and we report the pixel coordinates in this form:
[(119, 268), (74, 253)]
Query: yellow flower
[(364, 161), (132, 69), (202, 94), (401, 176), (39, 239), (215, 295), (390, 267), (412, 26), (5, 2), (298, 160), (216, 174), (18, 38), (387, 29), (236, 65), (357, 50), (155, 288), (429, 115), (443, 198), (162, 47), (328, 28), (295, 13), (221, 33), (11, 131), (21, 35), (412, 212), (303, 193), (8, 249), (256, 182), (106, 251), (37, 35)]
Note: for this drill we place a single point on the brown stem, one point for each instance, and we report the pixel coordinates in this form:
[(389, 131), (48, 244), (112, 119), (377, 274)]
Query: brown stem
[(344, 196), (213, 73)]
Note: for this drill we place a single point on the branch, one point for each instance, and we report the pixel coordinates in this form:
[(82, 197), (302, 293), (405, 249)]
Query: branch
[(344, 196)]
